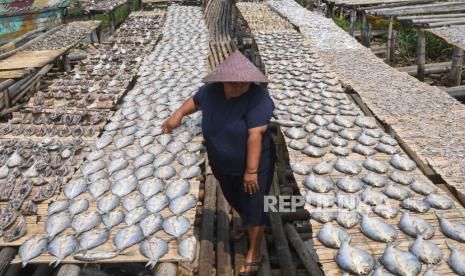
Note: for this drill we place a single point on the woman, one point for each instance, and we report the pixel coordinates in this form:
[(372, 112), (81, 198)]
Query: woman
[(235, 117)]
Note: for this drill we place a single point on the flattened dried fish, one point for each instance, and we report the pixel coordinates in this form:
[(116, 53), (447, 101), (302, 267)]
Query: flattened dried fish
[(375, 180), (456, 258), (99, 187), (318, 141), (347, 166), (31, 248), (127, 237), (56, 223), (61, 247), (78, 206), (403, 163), (349, 134), (153, 249), (426, 251), (347, 219), (117, 165), (85, 221), (453, 230), (354, 260), (17, 230), (350, 184), (342, 121), (375, 165), (113, 218), (157, 203), (124, 186), (423, 188), (145, 172), (320, 199), (301, 168), (57, 206), (295, 133), (314, 151), (151, 224), (401, 177), (439, 201), (324, 167), (323, 216), (135, 215), (396, 192), (400, 262), (187, 248), (413, 226), (387, 149), (93, 238), (176, 226), (164, 159), (319, 184), (93, 256), (372, 197), (103, 141), (363, 150), (416, 205), (365, 122), (386, 211), (132, 201), (377, 230), (107, 203), (188, 159), (92, 167), (340, 151), (181, 204)]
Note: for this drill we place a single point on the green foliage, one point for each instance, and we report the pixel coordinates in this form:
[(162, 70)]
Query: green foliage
[(343, 23)]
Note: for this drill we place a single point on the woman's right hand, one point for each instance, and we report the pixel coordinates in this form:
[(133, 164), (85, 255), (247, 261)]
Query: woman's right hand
[(171, 123)]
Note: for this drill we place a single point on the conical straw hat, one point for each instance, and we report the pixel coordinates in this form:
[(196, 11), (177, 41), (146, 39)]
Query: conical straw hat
[(236, 68)]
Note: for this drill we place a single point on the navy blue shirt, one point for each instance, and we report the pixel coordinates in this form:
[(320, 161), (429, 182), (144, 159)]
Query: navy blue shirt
[(225, 124)]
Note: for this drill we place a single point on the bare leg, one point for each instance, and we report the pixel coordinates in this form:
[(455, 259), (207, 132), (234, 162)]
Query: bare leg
[(255, 241)]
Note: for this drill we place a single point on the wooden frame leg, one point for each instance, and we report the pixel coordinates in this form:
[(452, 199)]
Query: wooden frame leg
[(421, 54), (112, 22), (455, 76), (365, 35), (353, 20), (389, 40)]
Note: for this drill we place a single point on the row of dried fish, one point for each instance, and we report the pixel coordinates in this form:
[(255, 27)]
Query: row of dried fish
[(101, 5), (137, 179), (260, 18), (60, 116)]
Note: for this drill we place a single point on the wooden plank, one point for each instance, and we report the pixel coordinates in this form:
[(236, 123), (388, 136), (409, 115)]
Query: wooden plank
[(456, 91), (353, 20), (13, 74), (27, 59), (240, 246), (223, 249), (430, 68), (6, 255), (206, 231), (457, 6), (450, 38), (455, 76)]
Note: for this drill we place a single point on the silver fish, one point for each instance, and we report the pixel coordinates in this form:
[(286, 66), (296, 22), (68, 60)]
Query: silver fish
[(56, 223), (187, 248), (287, 123), (388, 141), (165, 172), (320, 199), (16, 231), (372, 197), (126, 237), (98, 188), (296, 145), (349, 134), (103, 174), (339, 142), (375, 180), (323, 133), (347, 166), (423, 188), (313, 151), (416, 205), (340, 151), (380, 272), (93, 238), (456, 258), (4, 171), (387, 149), (124, 186), (295, 133), (319, 120), (453, 230), (57, 206), (124, 142), (347, 201), (317, 183), (164, 159), (153, 249), (426, 251), (403, 163), (75, 187), (396, 192), (366, 140), (439, 201), (413, 226), (324, 167), (146, 140), (318, 141), (150, 187), (193, 147), (78, 206), (334, 128), (377, 229), (117, 165), (375, 165), (347, 219), (188, 159), (177, 188), (92, 167), (61, 247), (157, 203), (31, 248), (349, 184), (134, 152), (189, 172), (85, 221), (143, 160), (176, 226), (301, 168), (342, 121), (14, 160), (310, 127), (363, 150), (145, 172), (107, 203), (181, 204), (354, 260), (122, 174), (132, 201), (323, 216), (375, 133), (386, 211), (366, 122), (400, 262), (151, 224), (117, 154), (135, 215), (113, 218), (93, 256), (164, 139), (401, 177)]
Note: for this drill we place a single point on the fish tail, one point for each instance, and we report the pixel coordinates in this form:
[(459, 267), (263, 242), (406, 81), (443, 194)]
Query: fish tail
[(450, 245), (153, 263), (24, 263)]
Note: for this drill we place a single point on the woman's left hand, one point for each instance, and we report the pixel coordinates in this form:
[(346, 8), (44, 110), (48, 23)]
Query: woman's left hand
[(250, 183)]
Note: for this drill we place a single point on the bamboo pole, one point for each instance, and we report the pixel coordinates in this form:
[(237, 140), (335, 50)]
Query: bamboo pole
[(69, 270), (13, 270), (353, 20), (240, 246), (389, 40), (265, 268), (421, 54), (43, 270), (365, 33), (455, 75), (165, 269), (6, 255), (206, 232), (223, 250)]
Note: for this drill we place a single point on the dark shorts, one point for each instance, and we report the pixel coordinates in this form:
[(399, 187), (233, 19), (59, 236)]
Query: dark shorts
[(250, 207)]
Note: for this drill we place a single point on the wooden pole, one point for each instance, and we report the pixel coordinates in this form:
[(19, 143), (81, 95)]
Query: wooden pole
[(389, 40), (365, 31), (310, 264), (6, 98), (13, 269), (421, 54), (240, 246), (286, 264), (455, 76), (353, 20), (112, 22), (265, 268), (6, 255), (66, 65), (43, 269), (206, 232), (165, 269), (330, 10), (392, 54), (223, 250), (100, 34), (69, 270)]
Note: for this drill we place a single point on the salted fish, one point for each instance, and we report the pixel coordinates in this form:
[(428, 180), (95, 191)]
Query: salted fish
[(177, 188), (301, 168), (324, 167), (347, 166), (319, 120), (375, 180), (146, 140), (366, 122), (372, 197), (134, 152), (317, 141), (117, 165), (103, 141), (339, 142), (386, 211), (343, 121), (456, 259), (401, 177), (85, 221), (150, 187), (349, 134), (423, 188), (387, 149), (400, 262), (340, 151), (124, 186), (438, 201), (413, 226), (151, 224), (122, 174), (396, 192), (113, 218), (117, 154), (367, 140), (132, 201), (187, 248), (323, 216), (189, 172), (16, 231), (332, 235), (295, 133), (95, 255), (453, 230), (426, 251), (108, 202), (318, 183), (188, 159), (176, 225), (165, 172), (388, 141), (153, 249), (363, 150), (347, 201), (124, 141), (61, 247), (93, 238), (416, 205), (57, 223), (349, 184), (375, 165), (313, 151), (377, 229), (323, 133), (403, 163), (144, 172), (99, 187), (354, 260), (75, 187), (320, 199), (164, 159), (347, 219), (128, 236), (157, 203), (32, 248), (78, 206), (57, 206), (103, 174), (181, 204)]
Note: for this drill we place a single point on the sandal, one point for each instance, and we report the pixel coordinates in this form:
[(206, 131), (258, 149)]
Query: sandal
[(255, 264), (238, 234)]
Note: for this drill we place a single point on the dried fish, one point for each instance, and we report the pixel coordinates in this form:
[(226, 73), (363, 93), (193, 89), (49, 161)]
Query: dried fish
[(386, 211), (438, 201), (151, 224), (16, 231), (318, 141), (387, 149), (347, 219), (377, 229), (423, 188), (413, 226), (347, 166), (372, 197), (124, 186), (396, 192), (153, 249), (314, 151), (366, 122), (426, 251), (107, 203), (339, 142), (93, 256), (456, 258), (403, 163), (363, 150), (113, 218), (135, 215), (127, 237), (349, 134), (99, 187), (57, 223), (32, 248), (416, 205), (375, 165), (301, 168), (85, 221), (93, 238), (400, 262), (157, 203), (319, 184), (78, 206), (295, 133), (176, 226), (401, 177), (349, 184), (323, 216), (354, 260), (132, 201), (181, 204), (340, 151), (375, 180), (187, 248), (186, 173), (453, 230), (320, 199), (117, 165), (324, 167), (61, 247)]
